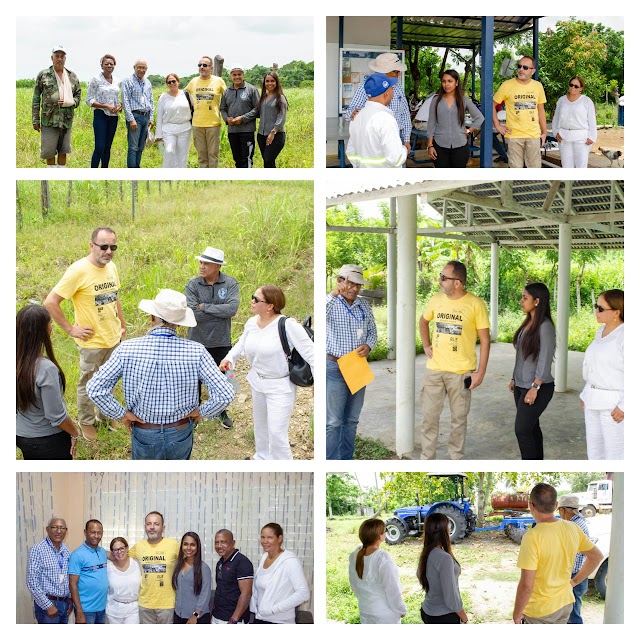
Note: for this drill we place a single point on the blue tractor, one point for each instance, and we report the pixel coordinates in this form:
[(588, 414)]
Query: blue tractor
[(409, 521)]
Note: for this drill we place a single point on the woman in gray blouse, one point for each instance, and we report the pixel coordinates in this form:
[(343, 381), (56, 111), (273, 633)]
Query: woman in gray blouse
[(447, 142), (44, 430), (272, 110), (192, 583), (532, 383), (438, 573)]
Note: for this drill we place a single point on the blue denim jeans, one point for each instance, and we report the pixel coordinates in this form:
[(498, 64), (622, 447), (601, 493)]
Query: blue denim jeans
[(579, 590), (95, 617), (162, 444), (104, 130), (343, 413), (136, 140), (42, 617)]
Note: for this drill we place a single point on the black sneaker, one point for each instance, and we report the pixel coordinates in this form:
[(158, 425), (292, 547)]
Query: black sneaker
[(226, 421)]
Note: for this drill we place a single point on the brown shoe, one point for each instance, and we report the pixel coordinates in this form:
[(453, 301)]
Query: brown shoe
[(114, 425), (89, 431)]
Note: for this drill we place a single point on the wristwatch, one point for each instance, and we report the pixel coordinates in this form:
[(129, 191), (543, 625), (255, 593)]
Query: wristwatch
[(196, 614), (535, 386)]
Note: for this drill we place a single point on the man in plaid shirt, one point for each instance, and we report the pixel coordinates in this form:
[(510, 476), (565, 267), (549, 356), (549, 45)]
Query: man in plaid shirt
[(161, 374), (47, 575)]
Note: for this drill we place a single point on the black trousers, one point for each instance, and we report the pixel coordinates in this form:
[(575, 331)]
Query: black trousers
[(447, 618), (242, 147), (455, 158), (218, 354), (55, 447), (205, 618), (528, 429), (270, 152)]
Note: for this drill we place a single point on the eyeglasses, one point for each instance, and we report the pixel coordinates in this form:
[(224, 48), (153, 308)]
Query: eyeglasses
[(443, 278), (525, 67), (575, 86), (349, 283), (257, 299), (118, 550), (57, 528), (597, 307), (202, 64), (104, 247), (172, 82)]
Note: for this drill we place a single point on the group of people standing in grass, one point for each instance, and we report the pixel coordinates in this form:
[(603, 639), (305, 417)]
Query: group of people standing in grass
[(196, 112)]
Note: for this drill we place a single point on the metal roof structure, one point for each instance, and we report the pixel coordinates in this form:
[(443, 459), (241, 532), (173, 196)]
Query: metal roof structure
[(456, 32), (519, 214)]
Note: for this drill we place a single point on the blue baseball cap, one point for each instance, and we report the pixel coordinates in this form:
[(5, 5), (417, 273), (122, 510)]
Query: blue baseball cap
[(377, 83)]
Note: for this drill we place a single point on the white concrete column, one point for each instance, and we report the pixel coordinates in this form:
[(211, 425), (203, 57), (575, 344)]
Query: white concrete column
[(406, 325), (392, 257), (564, 296), (614, 603), (495, 263)]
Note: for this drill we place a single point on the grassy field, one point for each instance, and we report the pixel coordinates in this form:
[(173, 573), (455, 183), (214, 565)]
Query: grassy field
[(487, 584), (297, 153), (264, 228)]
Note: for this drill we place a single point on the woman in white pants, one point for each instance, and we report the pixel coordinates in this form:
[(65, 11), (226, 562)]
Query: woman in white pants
[(123, 574), (273, 392), (574, 125), (173, 124), (374, 577), (603, 372)]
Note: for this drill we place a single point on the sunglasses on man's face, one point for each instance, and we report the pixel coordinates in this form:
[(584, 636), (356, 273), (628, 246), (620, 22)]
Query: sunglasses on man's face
[(524, 66), (202, 64), (104, 247)]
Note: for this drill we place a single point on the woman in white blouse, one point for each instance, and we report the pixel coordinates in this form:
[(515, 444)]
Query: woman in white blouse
[(574, 125), (373, 576), (603, 372), (123, 575), (273, 392), (103, 97), (173, 124)]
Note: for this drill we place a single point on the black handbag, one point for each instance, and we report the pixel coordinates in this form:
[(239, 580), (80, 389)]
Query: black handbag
[(299, 369)]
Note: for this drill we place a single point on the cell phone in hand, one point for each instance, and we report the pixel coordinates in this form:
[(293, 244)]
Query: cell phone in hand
[(467, 382)]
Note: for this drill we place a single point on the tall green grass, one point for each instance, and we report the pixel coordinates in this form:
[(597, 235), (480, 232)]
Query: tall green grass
[(297, 153)]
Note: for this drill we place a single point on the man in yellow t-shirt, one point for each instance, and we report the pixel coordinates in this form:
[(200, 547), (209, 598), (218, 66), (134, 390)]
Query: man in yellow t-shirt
[(459, 318), (547, 554), (157, 556), (526, 128), (205, 93), (92, 284)]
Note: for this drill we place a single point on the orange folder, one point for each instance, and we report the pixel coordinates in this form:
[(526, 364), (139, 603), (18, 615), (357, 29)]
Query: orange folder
[(356, 371)]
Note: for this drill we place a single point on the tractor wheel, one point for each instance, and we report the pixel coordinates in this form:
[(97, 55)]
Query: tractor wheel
[(589, 511), (601, 578), (514, 533), (396, 531), (457, 522)]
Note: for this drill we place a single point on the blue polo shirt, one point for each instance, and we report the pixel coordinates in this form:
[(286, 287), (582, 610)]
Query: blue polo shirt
[(91, 566), (228, 574)]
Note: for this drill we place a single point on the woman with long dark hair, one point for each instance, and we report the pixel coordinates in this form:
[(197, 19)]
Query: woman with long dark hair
[(532, 383), (374, 578), (447, 141), (603, 372), (44, 430), (438, 573), (192, 583), (272, 111)]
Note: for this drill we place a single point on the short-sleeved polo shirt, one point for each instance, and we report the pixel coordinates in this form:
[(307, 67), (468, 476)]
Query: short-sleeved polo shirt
[(228, 575), (91, 567)]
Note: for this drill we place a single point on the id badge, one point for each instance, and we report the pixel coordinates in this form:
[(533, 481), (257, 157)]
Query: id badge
[(360, 333), (61, 578)]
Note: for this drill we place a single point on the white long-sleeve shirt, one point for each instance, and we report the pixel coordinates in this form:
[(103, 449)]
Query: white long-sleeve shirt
[(603, 371), (575, 121), (378, 591), (263, 349), (374, 139), (173, 114)]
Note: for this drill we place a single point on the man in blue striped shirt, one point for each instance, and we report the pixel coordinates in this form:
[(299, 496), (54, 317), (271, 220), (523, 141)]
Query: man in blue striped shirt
[(161, 374), (48, 575), (350, 327), (137, 101)]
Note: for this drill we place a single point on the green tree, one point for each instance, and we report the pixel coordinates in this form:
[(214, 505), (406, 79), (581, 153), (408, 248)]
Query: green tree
[(579, 480), (342, 494)]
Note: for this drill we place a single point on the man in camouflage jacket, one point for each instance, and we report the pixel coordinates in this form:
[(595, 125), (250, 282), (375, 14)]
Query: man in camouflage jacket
[(55, 98)]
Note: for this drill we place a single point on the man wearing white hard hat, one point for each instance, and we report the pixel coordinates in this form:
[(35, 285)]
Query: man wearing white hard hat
[(214, 297), (161, 375), (390, 65), (238, 109)]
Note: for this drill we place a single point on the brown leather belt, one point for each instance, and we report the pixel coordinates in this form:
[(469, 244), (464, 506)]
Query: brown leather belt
[(180, 424), (57, 598), (332, 358)]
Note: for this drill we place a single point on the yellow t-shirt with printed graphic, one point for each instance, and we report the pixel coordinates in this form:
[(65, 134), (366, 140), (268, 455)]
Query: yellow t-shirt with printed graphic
[(157, 562)]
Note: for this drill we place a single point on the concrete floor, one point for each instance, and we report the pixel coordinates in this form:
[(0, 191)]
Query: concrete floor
[(490, 431)]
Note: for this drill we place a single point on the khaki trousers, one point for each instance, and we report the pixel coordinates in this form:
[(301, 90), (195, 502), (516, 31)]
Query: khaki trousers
[(156, 616), (437, 385), (90, 361), (524, 152), (557, 617), (206, 140)]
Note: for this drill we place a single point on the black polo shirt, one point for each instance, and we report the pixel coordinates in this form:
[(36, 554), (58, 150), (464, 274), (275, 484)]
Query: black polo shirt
[(228, 574)]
